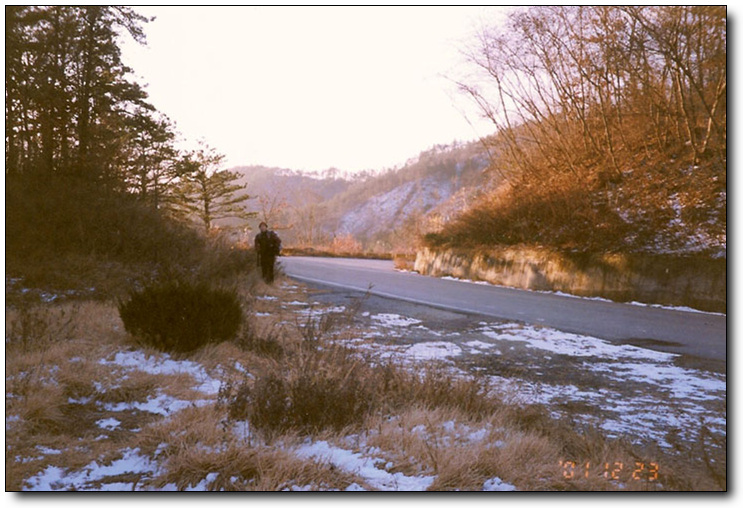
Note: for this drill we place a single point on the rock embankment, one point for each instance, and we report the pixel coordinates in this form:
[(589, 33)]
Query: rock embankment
[(697, 282)]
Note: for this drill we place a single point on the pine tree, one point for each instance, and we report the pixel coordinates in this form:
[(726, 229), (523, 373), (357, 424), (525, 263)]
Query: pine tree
[(67, 95), (207, 193)]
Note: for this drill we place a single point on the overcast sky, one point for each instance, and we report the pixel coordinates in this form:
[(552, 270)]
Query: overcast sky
[(310, 88)]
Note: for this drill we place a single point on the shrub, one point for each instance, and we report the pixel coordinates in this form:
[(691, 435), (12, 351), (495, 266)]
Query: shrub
[(331, 398), (318, 399), (67, 234), (60, 216), (268, 403), (181, 316), (222, 260), (323, 389), (330, 388)]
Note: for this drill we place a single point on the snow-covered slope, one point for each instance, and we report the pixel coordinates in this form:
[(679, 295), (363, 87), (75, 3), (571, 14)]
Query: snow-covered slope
[(386, 210)]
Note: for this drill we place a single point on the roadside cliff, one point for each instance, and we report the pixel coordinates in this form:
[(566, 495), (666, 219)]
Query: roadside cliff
[(693, 281)]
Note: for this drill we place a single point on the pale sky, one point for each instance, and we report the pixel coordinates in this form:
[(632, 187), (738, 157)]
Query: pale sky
[(310, 88)]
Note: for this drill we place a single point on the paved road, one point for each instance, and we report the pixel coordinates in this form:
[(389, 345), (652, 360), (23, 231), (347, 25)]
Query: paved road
[(702, 335)]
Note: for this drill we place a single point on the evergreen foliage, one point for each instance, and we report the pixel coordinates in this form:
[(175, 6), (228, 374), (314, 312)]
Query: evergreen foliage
[(181, 316), (207, 194), (73, 114), (91, 167), (69, 107)]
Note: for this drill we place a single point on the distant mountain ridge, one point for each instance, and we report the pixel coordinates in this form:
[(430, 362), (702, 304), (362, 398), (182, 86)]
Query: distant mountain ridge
[(382, 210)]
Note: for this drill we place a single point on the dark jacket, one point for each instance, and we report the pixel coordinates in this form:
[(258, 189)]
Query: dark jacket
[(267, 244)]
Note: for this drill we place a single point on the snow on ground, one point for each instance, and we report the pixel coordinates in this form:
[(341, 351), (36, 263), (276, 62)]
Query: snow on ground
[(433, 350), (16, 284), (315, 312), (497, 485), (137, 360), (393, 320), (373, 468), (366, 467), (555, 341), (640, 393), (665, 396), (634, 392), (394, 206), (679, 308), (90, 477)]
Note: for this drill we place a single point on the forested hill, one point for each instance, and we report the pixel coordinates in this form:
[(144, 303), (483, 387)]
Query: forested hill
[(615, 118), (611, 132), (381, 211)]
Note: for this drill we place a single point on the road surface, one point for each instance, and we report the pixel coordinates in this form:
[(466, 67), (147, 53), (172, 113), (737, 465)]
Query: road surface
[(703, 335)]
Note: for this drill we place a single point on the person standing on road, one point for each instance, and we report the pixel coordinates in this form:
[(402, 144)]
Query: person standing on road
[(267, 247)]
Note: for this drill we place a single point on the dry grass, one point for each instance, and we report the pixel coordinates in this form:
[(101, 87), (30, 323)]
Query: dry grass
[(61, 383), (404, 261), (197, 445), (463, 452), (657, 202)]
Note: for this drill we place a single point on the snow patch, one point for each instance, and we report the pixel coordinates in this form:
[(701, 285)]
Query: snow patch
[(137, 360), (555, 341), (365, 467), (433, 350), (92, 476), (393, 320), (496, 484)]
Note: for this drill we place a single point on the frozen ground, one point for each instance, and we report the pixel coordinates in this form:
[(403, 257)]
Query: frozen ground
[(650, 397), (647, 396), (95, 476)]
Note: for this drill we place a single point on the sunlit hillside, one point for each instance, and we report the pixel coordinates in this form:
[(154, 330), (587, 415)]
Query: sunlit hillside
[(615, 118), (382, 211)]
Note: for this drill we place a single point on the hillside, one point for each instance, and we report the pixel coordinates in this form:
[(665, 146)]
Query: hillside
[(625, 151), (451, 195), (382, 211)]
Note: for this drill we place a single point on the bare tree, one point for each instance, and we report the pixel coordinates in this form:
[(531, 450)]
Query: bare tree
[(570, 83), (273, 208)]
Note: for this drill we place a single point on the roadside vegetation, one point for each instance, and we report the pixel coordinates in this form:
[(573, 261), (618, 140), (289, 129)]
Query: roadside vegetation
[(611, 130), (242, 410), (246, 413), (249, 409), (143, 353)]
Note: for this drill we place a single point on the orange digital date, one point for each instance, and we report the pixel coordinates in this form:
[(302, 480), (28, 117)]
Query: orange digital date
[(648, 472)]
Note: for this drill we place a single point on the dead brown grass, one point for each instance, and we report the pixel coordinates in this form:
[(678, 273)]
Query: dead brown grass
[(197, 445), (422, 421), (463, 451), (404, 261), (657, 201)]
